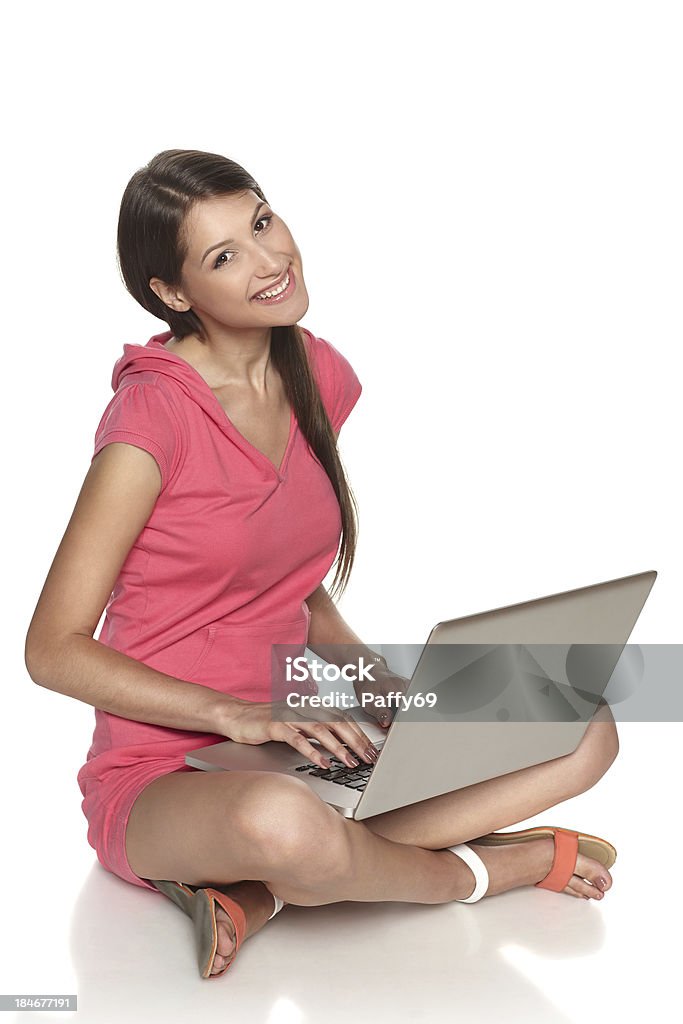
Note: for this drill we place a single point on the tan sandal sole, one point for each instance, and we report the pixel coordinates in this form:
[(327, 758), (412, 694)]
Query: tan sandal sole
[(590, 846)]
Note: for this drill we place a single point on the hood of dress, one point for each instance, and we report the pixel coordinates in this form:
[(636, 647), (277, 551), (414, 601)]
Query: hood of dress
[(143, 362)]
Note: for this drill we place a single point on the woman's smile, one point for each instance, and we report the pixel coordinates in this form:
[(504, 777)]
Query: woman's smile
[(283, 288)]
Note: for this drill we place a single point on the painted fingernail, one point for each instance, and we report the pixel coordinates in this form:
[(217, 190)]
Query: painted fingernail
[(602, 882), (352, 761)]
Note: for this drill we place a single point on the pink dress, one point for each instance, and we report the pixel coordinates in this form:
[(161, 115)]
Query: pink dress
[(221, 570)]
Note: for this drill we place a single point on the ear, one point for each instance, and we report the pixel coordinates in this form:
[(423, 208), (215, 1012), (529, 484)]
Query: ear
[(169, 295)]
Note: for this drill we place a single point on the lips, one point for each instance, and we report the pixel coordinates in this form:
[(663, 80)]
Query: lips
[(275, 284)]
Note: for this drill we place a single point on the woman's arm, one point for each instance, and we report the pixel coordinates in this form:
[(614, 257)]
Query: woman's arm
[(327, 629), (115, 502)]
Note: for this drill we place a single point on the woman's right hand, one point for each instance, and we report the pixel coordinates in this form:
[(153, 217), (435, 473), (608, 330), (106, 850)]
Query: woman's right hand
[(257, 722)]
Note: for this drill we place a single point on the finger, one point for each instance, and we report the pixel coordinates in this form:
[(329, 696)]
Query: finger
[(285, 733), (379, 713), (320, 732), (350, 732), (334, 735), (358, 741), (364, 743)]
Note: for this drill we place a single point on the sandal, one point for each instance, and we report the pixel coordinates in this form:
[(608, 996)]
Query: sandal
[(200, 905), (568, 845)]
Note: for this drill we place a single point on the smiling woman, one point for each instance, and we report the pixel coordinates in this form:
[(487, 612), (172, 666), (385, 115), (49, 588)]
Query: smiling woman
[(213, 509), (211, 513), (263, 259), (200, 247)]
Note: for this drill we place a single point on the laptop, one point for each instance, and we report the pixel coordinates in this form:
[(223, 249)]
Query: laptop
[(515, 686)]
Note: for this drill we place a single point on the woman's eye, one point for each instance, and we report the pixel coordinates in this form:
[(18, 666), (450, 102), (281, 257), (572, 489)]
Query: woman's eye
[(267, 219), (220, 262), (227, 256)]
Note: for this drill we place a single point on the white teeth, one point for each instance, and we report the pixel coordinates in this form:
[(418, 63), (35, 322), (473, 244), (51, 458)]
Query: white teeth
[(275, 291)]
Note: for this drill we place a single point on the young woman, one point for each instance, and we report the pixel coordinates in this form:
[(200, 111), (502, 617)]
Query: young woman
[(212, 511)]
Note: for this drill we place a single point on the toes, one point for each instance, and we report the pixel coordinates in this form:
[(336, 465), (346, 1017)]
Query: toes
[(225, 946), (593, 871), (574, 892), (583, 889)]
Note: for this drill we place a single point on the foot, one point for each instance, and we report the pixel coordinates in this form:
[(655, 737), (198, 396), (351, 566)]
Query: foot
[(515, 864), (257, 903)]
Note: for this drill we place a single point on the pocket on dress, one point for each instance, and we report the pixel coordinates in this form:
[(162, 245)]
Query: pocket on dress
[(209, 635), (240, 660), (184, 658)]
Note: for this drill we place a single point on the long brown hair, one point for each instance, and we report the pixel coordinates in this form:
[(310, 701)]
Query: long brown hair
[(151, 243)]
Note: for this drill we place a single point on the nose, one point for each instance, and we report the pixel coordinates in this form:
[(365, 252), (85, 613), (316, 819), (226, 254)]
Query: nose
[(268, 263)]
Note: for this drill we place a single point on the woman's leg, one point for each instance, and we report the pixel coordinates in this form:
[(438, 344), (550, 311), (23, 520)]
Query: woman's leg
[(226, 827), (497, 803), (468, 813), (443, 821), (206, 828), (221, 828), (233, 829)]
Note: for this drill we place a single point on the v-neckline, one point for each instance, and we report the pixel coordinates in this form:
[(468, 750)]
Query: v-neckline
[(278, 470)]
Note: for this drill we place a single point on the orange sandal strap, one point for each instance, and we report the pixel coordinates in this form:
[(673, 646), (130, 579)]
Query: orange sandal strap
[(564, 861)]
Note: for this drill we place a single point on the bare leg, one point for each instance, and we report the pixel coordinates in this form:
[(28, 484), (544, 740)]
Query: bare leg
[(231, 827), (432, 825), (235, 829), (498, 803)]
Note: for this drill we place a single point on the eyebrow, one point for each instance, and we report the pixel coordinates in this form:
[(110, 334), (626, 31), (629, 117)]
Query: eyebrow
[(229, 241)]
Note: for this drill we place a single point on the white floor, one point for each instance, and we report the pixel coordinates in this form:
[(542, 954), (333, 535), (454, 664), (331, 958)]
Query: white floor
[(528, 955)]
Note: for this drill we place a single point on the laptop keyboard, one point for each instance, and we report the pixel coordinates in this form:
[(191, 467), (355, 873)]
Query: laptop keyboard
[(342, 774)]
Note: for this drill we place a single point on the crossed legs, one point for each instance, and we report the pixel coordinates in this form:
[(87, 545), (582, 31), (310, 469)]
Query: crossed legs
[(262, 834), (218, 828)]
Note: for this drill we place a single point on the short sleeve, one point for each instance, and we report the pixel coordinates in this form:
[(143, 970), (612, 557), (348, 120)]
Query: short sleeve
[(140, 414), (339, 386)]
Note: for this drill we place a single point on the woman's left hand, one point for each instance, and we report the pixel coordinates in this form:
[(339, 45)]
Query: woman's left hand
[(385, 682)]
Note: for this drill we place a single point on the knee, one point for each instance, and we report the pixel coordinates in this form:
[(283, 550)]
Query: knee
[(597, 751), (292, 828)]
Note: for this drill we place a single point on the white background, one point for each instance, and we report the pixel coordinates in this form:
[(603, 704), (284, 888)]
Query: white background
[(487, 200)]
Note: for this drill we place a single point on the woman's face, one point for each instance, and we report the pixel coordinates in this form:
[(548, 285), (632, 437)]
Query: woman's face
[(238, 247)]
